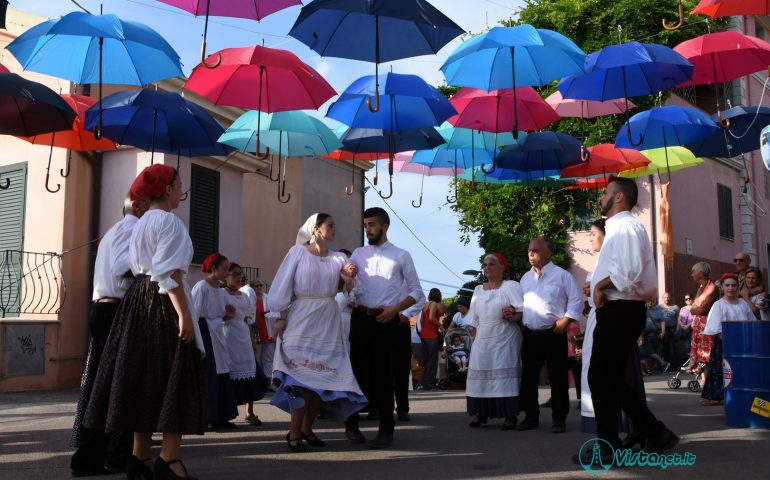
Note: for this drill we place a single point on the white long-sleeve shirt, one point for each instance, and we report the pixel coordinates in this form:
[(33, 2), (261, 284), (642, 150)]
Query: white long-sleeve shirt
[(386, 276), (550, 297), (724, 311), (112, 260), (626, 258)]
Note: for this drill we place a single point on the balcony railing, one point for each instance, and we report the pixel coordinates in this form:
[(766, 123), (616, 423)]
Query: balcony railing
[(30, 283)]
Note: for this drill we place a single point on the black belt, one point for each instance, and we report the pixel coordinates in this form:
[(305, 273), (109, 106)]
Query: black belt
[(538, 332), (107, 300), (371, 312)]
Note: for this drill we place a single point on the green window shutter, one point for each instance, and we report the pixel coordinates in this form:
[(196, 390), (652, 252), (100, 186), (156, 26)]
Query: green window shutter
[(204, 211), (12, 202), (725, 204)]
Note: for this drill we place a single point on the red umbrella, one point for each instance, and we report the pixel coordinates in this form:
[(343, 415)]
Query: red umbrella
[(605, 158), (571, 107), (589, 184), (342, 155), (4, 69), (729, 8), (77, 138), (244, 77), (493, 111)]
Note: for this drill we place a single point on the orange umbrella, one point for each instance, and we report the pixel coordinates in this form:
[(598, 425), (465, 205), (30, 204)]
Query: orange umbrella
[(605, 158), (589, 184), (342, 154), (78, 138)]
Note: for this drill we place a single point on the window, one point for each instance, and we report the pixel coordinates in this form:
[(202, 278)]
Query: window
[(725, 203), (204, 211), (759, 32), (12, 205)]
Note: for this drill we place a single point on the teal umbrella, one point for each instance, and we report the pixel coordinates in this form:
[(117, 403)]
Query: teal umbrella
[(293, 133)]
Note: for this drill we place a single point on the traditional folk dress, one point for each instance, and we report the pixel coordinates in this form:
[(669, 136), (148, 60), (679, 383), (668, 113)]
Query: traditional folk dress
[(148, 379), (312, 354), (247, 380), (494, 368)]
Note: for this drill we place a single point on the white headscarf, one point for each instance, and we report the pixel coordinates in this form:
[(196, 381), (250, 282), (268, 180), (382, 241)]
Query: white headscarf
[(305, 233)]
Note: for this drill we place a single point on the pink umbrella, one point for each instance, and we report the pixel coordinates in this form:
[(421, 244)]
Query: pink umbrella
[(402, 162), (568, 107), (256, 9), (4, 69), (493, 111)]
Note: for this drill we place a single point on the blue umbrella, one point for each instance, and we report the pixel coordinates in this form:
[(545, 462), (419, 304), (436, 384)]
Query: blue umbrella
[(489, 61), (543, 152), (629, 69), (506, 176), (158, 122), (89, 49), (372, 140), (742, 136), (374, 30), (408, 102), (669, 126)]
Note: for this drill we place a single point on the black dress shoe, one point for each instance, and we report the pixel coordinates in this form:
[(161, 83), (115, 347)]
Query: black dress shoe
[(382, 440), (529, 423), (163, 470), (295, 444), (91, 472), (661, 442), (558, 427), (313, 440), (355, 435), (403, 416), (137, 469)]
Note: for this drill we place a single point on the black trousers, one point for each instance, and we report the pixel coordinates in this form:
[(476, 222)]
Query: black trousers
[(402, 367), (96, 448), (544, 347), (373, 356), (618, 325)]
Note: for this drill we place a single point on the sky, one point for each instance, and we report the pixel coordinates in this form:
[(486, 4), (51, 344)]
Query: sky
[(434, 224)]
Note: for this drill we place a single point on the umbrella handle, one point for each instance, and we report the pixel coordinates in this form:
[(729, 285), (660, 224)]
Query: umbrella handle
[(722, 123), (66, 173), (448, 198), (262, 156), (585, 154), (376, 107), (203, 58), (678, 25), (630, 137), (352, 187), (422, 184), (6, 185), (48, 169), (376, 69), (282, 191), (385, 197), (489, 172), (418, 204), (184, 196), (278, 178)]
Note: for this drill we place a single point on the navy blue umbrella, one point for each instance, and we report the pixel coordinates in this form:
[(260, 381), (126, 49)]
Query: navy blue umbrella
[(542, 152), (158, 122), (374, 30), (742, 136), (668, 126)]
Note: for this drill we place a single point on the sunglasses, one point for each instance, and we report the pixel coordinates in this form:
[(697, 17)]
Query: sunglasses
[(736, 260), (687, 298)]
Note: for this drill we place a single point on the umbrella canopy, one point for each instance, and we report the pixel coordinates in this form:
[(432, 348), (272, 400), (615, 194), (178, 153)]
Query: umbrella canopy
[(445, 157), (158, 122), (374, 30), (407, 102), (372, 140), (28, 108), (291, 133), (504, 176), (491, 111), (403, 163), (256, 9), (342, 154), (606, 158), (71, 47), (724, 56), (664, 160), (472, 139), (77, 137), (570, 107), (742, 136), (542, 152), (666, 127), (589, 184), (729, 8)]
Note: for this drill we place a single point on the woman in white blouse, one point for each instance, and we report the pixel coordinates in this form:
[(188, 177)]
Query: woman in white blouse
[(311, 368), (494, 368), (150, 376)]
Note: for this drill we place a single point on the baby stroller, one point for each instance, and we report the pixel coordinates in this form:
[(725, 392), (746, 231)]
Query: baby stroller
[(687, 369), (454, 373)]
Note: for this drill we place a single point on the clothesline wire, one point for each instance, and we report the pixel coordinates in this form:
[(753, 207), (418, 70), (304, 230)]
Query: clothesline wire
[(761, 98), (409, 229)]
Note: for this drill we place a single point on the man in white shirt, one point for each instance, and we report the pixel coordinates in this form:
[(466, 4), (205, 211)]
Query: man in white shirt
[(112, 278), (552, 299), (386, 286), (624, 279)]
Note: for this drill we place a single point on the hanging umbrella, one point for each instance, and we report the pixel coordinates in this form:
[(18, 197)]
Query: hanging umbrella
[(28, 108), (665, 127), (374, 31), (407, 102), (664, 160), (742, 136), (570, 107), (489, 61), (244, 77), (472, 139), (158, 122), (543, 152), (456, 159), (403, 163), (290, 133), (627, 70), (491, 111), (85, 48), (77, 138), (589, 184), (250, 9), (606, 158), (730, 8), (506, 176)]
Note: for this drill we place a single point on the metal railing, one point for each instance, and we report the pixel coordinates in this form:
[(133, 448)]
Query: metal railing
[(252, 273), (30, 282)]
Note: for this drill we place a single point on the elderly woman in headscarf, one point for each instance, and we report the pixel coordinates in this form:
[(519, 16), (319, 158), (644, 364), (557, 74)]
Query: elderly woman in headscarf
[(494, 368), (311, 368)]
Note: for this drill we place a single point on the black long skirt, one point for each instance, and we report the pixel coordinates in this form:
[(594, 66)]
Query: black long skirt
[(148, 379), (221, 399)]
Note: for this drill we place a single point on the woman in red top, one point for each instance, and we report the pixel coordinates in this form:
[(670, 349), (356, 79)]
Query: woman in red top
[(430, 324)]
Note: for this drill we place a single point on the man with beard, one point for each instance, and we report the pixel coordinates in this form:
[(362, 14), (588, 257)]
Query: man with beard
[(624, 279), (386, 286)]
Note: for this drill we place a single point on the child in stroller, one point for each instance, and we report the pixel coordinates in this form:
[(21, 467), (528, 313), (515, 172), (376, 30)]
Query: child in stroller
[(458, 347), (458, 353)]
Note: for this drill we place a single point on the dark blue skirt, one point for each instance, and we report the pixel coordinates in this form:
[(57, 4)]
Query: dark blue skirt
[(497, 407), (221, 400)]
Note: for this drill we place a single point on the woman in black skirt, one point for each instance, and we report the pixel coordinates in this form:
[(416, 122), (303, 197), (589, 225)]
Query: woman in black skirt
[(150, 375)]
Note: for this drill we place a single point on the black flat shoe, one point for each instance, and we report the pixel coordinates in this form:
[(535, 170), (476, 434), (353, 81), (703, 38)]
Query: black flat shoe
[(508, 424), (313, 440), (163, 470), (137, 469), (635, 438), (477, 421), (295, 444)]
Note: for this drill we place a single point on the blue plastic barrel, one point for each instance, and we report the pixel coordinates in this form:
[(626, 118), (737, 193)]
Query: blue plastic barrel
[(746, 372)]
